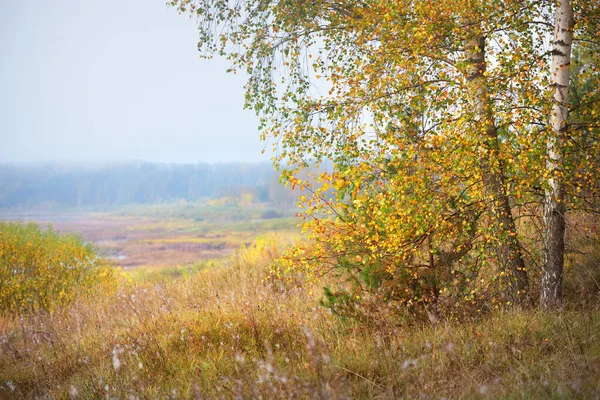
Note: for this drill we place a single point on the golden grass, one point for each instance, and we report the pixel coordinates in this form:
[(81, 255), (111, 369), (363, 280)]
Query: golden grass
[(232, 331)]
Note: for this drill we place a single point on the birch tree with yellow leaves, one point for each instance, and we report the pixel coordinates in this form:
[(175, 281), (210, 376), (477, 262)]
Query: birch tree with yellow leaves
[(433, 120)]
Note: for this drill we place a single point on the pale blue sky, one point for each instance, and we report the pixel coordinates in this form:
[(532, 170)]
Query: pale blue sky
[(109, 80)]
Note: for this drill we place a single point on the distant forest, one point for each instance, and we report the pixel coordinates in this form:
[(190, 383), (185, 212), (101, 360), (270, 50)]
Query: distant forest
[(76, 185)]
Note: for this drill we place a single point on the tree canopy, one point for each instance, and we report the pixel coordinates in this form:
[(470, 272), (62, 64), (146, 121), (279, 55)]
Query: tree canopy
[(435, 117)]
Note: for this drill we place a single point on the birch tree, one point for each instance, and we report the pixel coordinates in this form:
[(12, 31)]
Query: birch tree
[(554, 208), (433, 118), (494, 179), (569, 174)]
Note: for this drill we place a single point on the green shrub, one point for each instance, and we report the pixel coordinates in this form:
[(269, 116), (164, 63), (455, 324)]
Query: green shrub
[(270, 214), (41, 269)]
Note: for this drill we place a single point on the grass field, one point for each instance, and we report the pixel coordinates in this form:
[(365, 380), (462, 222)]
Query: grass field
[(169, 236), (234, 331), (215, 322)]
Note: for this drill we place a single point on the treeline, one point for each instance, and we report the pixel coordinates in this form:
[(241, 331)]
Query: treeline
[(77, 185)]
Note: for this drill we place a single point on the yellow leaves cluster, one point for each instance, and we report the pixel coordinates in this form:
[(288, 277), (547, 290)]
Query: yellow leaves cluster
[(42, 269), (403, 117)]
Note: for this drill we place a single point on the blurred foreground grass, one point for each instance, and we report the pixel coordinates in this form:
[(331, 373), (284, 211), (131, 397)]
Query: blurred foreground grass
[(233, 331)]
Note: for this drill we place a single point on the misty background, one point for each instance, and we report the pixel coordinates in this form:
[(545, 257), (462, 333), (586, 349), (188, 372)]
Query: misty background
[(113, 80), (56, 186)]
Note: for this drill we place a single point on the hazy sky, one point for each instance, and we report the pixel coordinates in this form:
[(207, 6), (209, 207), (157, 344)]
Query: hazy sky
[(109, 80)]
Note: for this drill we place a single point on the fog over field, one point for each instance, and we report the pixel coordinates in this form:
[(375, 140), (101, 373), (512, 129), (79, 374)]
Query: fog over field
[(50, 186), (150, 214)]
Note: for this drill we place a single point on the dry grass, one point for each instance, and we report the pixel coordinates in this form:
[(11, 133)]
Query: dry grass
[(231, 331)]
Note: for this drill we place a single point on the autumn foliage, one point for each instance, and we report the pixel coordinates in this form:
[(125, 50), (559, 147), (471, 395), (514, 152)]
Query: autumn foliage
[(431, 121), (42, 269)]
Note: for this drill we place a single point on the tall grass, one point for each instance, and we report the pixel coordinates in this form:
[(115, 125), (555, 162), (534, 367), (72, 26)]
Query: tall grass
[(236, 331)]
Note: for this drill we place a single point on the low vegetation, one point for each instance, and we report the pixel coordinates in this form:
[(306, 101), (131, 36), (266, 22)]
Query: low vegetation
[(168, 235), (42, 269), (237, 330)]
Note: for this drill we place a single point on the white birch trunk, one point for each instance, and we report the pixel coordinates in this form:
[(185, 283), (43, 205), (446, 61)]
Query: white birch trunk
[(554, 207)]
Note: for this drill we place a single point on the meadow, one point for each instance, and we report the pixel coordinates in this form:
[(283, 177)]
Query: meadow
[(236, 331), (231, 326), (156, 240)]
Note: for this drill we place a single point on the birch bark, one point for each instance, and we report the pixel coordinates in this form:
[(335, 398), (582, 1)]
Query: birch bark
[(512, 266), (554, 209)]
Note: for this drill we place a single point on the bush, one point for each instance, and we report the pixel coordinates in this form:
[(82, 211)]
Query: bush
[(42, 269), (270, 214)]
